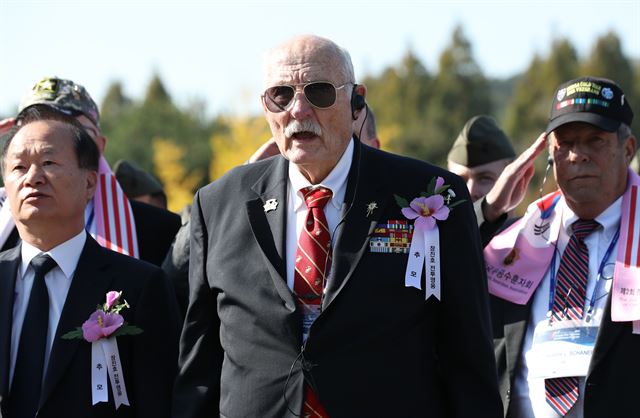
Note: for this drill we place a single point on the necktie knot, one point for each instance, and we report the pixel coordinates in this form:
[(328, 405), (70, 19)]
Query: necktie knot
[(42, 264), (582, 228), (316, 198)]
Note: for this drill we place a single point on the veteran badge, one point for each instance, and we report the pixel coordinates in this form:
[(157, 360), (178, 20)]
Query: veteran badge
[(269, 205)]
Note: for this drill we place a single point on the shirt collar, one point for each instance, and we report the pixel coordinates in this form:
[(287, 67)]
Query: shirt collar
[(336, 181), (609, 218), (66, 255)]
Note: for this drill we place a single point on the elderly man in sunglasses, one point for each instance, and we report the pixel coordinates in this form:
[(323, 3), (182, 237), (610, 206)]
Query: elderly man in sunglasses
[(333, 279)]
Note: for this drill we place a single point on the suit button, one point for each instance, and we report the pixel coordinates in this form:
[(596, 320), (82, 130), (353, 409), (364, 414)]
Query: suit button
[(508, 393)]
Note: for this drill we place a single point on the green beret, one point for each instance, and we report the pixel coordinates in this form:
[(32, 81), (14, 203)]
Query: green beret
[(135, 181), (481, 141)]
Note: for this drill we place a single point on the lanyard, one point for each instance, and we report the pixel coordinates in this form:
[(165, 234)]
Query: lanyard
[(90, 220), (553, 275)]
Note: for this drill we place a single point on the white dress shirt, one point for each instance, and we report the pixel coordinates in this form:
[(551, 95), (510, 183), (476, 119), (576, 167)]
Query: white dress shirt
[(58, 281), (336, 181), (528, 394)]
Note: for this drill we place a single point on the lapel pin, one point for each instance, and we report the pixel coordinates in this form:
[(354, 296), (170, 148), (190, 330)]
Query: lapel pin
[(371, 207), (450, 194), (269, 205)]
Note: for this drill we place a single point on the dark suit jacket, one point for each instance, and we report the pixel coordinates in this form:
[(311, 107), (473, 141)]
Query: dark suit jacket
[(378, 349), (148, 359), (176, 266), (613, 380), (155, 228)]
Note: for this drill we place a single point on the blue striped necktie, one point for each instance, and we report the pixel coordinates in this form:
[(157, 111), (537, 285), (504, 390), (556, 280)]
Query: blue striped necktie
[(568, 303)]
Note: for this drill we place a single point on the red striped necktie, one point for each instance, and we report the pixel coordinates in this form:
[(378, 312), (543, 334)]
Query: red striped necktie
[(312, 263), (568, 303)]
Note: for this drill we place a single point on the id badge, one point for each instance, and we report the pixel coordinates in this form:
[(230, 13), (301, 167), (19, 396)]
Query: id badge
[(309, 314), (561, 349)]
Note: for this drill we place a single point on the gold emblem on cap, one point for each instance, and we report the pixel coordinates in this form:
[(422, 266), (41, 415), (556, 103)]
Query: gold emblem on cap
[(47, 86)]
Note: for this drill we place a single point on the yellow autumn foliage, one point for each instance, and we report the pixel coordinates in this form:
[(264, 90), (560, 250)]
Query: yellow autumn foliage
[(390, 137), (233, 147), (178, 184)]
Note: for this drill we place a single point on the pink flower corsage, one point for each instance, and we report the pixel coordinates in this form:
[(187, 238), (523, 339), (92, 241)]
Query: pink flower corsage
[(105, 322), (431, 206)]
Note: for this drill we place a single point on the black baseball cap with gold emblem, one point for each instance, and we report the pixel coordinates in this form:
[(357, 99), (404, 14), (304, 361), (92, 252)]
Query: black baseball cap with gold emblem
[(63, 95), (597, 101)]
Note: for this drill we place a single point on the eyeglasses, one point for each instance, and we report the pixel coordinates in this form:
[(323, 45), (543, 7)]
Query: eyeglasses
[(320, 94)]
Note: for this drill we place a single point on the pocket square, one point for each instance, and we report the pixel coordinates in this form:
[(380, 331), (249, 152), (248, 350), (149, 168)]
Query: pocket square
[(391, 237)]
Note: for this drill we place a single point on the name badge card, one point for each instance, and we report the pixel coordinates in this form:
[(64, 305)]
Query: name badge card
[(561, 349)]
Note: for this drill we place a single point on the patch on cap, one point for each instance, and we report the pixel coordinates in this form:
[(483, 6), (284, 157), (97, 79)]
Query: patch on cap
[(597, 101), (63, 95)]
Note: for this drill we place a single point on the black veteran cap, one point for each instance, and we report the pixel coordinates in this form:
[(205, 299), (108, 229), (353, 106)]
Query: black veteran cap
[(597, 101), (63, 95), (481, 141), (135, 181)]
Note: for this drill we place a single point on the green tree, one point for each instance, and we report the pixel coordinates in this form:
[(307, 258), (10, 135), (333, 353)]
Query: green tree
[(608, 60), (459, 91), (130, 133), (399, 97), (114, 105), (528, 112)]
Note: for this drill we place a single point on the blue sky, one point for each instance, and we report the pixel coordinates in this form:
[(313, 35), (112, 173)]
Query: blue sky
[(212, 51)]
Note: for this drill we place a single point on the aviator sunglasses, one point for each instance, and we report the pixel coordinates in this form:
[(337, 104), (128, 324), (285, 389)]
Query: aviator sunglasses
[(320, 94)]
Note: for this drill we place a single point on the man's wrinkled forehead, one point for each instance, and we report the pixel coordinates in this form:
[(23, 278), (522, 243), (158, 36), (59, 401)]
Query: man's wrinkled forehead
[(302, 61)]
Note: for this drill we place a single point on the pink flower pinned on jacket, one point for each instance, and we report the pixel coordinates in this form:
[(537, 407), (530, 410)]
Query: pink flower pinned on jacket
[(101, 325), (431, 205), (105, 322), (425, 211), (112, 299)]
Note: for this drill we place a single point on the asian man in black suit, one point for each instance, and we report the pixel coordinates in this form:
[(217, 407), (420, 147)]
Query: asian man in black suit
[(117, 222), (49, 166)]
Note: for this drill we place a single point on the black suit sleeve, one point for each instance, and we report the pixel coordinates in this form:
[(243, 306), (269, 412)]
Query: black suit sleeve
[(197, 389), (465, 336), (155, 351), (176, 265), (487, 229)]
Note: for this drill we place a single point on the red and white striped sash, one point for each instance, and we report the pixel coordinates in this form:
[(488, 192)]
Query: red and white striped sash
[(114, 224)]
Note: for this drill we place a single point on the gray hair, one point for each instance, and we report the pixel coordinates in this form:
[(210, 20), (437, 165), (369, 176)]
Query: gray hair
[(624, 132)]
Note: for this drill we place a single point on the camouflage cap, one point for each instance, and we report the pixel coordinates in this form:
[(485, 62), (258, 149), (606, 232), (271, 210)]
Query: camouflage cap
[(63, 95), (134, 180), (481, 141)]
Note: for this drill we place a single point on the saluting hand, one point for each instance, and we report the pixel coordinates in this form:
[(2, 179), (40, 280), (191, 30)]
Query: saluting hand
[(512, 184)]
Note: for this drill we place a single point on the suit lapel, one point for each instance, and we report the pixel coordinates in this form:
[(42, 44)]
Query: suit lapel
[(608, 333), (364, 187), (88, 288), (8, 272), (268, 223)]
